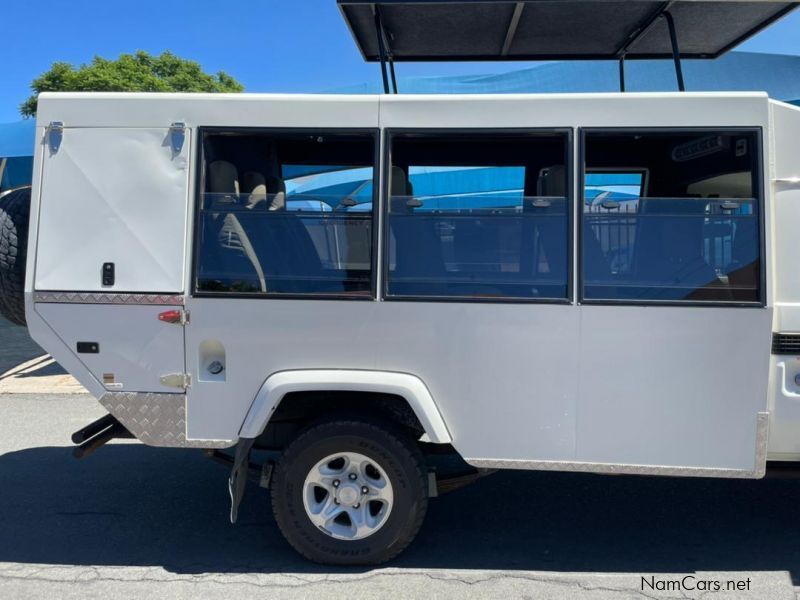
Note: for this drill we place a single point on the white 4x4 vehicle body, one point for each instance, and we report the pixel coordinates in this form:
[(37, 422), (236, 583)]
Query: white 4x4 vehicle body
[(562, 282)]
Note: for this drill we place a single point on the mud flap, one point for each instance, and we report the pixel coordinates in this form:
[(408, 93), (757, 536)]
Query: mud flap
[(238, 479)]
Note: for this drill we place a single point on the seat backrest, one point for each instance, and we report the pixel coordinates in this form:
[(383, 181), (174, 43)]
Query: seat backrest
[(744, 270), (400, 190), (551, 183), (669, 249), (416, 238), (263, 193), (276, 187)]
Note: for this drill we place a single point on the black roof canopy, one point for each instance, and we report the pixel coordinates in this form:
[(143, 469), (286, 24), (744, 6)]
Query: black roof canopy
[(455, 30)]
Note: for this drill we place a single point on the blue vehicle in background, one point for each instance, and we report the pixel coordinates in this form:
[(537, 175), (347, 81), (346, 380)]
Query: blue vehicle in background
[(16, 154)]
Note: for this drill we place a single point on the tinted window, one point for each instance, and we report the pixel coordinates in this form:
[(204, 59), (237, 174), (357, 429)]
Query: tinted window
[(671, 217), (286, 214), (478, 216)]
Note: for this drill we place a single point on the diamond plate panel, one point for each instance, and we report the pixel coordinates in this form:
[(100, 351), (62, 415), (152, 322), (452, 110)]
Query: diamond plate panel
[(107, 298), (156, 419)]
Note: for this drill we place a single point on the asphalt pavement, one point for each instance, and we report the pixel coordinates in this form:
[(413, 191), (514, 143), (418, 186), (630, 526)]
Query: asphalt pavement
[(16, 346), (132, 521)]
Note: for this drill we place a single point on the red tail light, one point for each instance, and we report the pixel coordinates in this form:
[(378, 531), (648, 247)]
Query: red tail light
[(170, 316)]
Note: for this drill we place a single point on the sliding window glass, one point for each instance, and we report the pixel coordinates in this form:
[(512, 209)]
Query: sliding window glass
[(478, 216), (286, 213), (672, 216)]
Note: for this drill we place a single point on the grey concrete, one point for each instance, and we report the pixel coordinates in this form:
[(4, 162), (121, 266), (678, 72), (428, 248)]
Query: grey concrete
[(132, 521)]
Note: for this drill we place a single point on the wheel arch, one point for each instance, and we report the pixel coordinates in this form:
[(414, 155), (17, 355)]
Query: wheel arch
[(409, 387)]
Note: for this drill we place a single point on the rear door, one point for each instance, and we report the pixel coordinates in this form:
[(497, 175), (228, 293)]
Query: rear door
[(111, 249)]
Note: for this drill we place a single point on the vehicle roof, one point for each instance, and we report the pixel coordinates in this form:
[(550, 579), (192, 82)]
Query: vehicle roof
[(503, 30), (119, 109)]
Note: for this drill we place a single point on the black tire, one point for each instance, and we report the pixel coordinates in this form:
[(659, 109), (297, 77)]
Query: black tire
[(395, 453), (15, 207)]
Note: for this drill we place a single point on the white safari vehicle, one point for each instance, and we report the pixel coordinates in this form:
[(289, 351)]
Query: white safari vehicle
[(600, 283)]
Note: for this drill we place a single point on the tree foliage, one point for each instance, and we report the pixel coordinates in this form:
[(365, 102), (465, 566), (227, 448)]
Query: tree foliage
[(140, 72)]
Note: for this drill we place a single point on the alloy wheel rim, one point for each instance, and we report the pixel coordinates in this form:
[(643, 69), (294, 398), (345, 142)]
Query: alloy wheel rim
[(348, 496)]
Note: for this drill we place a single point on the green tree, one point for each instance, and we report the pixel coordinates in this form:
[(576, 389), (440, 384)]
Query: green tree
[(140, 72)]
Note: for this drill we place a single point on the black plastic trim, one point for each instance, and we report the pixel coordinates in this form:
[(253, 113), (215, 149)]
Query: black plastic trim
[(87, 347), (786, 343)]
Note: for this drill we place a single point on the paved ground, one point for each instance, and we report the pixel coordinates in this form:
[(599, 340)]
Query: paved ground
[(25, 368), (132, 521), (16, 346)]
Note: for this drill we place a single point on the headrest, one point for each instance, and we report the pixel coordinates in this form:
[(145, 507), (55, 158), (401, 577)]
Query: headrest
[(552, 182), (250, 181), (255, 186), (398, 183), (222, 178)]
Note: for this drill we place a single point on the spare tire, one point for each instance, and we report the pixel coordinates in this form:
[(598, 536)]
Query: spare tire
[(15, 207)]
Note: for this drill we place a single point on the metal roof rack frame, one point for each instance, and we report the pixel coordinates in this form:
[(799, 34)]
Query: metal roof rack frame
[(389, 31)]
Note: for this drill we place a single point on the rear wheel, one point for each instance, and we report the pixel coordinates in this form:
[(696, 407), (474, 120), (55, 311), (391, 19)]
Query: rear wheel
[(14, 216), (350, 492)]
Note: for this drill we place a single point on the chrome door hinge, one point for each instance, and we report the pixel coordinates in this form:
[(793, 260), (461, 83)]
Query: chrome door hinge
[(176, 380), (55, 133), (177, 135)]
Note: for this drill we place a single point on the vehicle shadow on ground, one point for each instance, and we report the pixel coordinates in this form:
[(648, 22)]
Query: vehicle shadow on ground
[(16, 346), (132, 505)]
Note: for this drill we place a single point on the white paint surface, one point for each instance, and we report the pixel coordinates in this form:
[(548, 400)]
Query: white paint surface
[(670, 386), (113, 195)]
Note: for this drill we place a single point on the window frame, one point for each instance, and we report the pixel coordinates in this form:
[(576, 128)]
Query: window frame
[(373, 133), (760, 195), (391, 133)]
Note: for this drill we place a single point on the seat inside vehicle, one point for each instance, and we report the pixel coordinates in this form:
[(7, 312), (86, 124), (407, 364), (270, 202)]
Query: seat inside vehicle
[(298, 238)]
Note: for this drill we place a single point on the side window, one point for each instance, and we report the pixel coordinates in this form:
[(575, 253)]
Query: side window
[(671, 216), (286, 214), (480, 216)]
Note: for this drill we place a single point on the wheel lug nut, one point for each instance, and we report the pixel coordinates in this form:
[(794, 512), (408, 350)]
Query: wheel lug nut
[(357, 505), (336, 483), (353, 476), (365, 490), (336, 501)]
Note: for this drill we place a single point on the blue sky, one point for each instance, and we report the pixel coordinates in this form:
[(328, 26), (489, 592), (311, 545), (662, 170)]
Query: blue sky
[(268, 45)]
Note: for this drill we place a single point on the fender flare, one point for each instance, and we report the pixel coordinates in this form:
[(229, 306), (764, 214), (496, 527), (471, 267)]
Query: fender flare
[(409, 387)]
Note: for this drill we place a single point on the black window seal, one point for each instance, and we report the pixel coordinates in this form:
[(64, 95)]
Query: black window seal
[(390, 133), (758, 132), (373, 132)]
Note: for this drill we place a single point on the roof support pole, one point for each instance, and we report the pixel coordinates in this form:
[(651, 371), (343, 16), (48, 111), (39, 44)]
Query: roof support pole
[(381, 50), (676, 52), (641, 29), (394, 77), (512, 28)]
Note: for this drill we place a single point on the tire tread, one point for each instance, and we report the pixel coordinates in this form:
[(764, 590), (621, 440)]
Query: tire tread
[(14, 220)]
